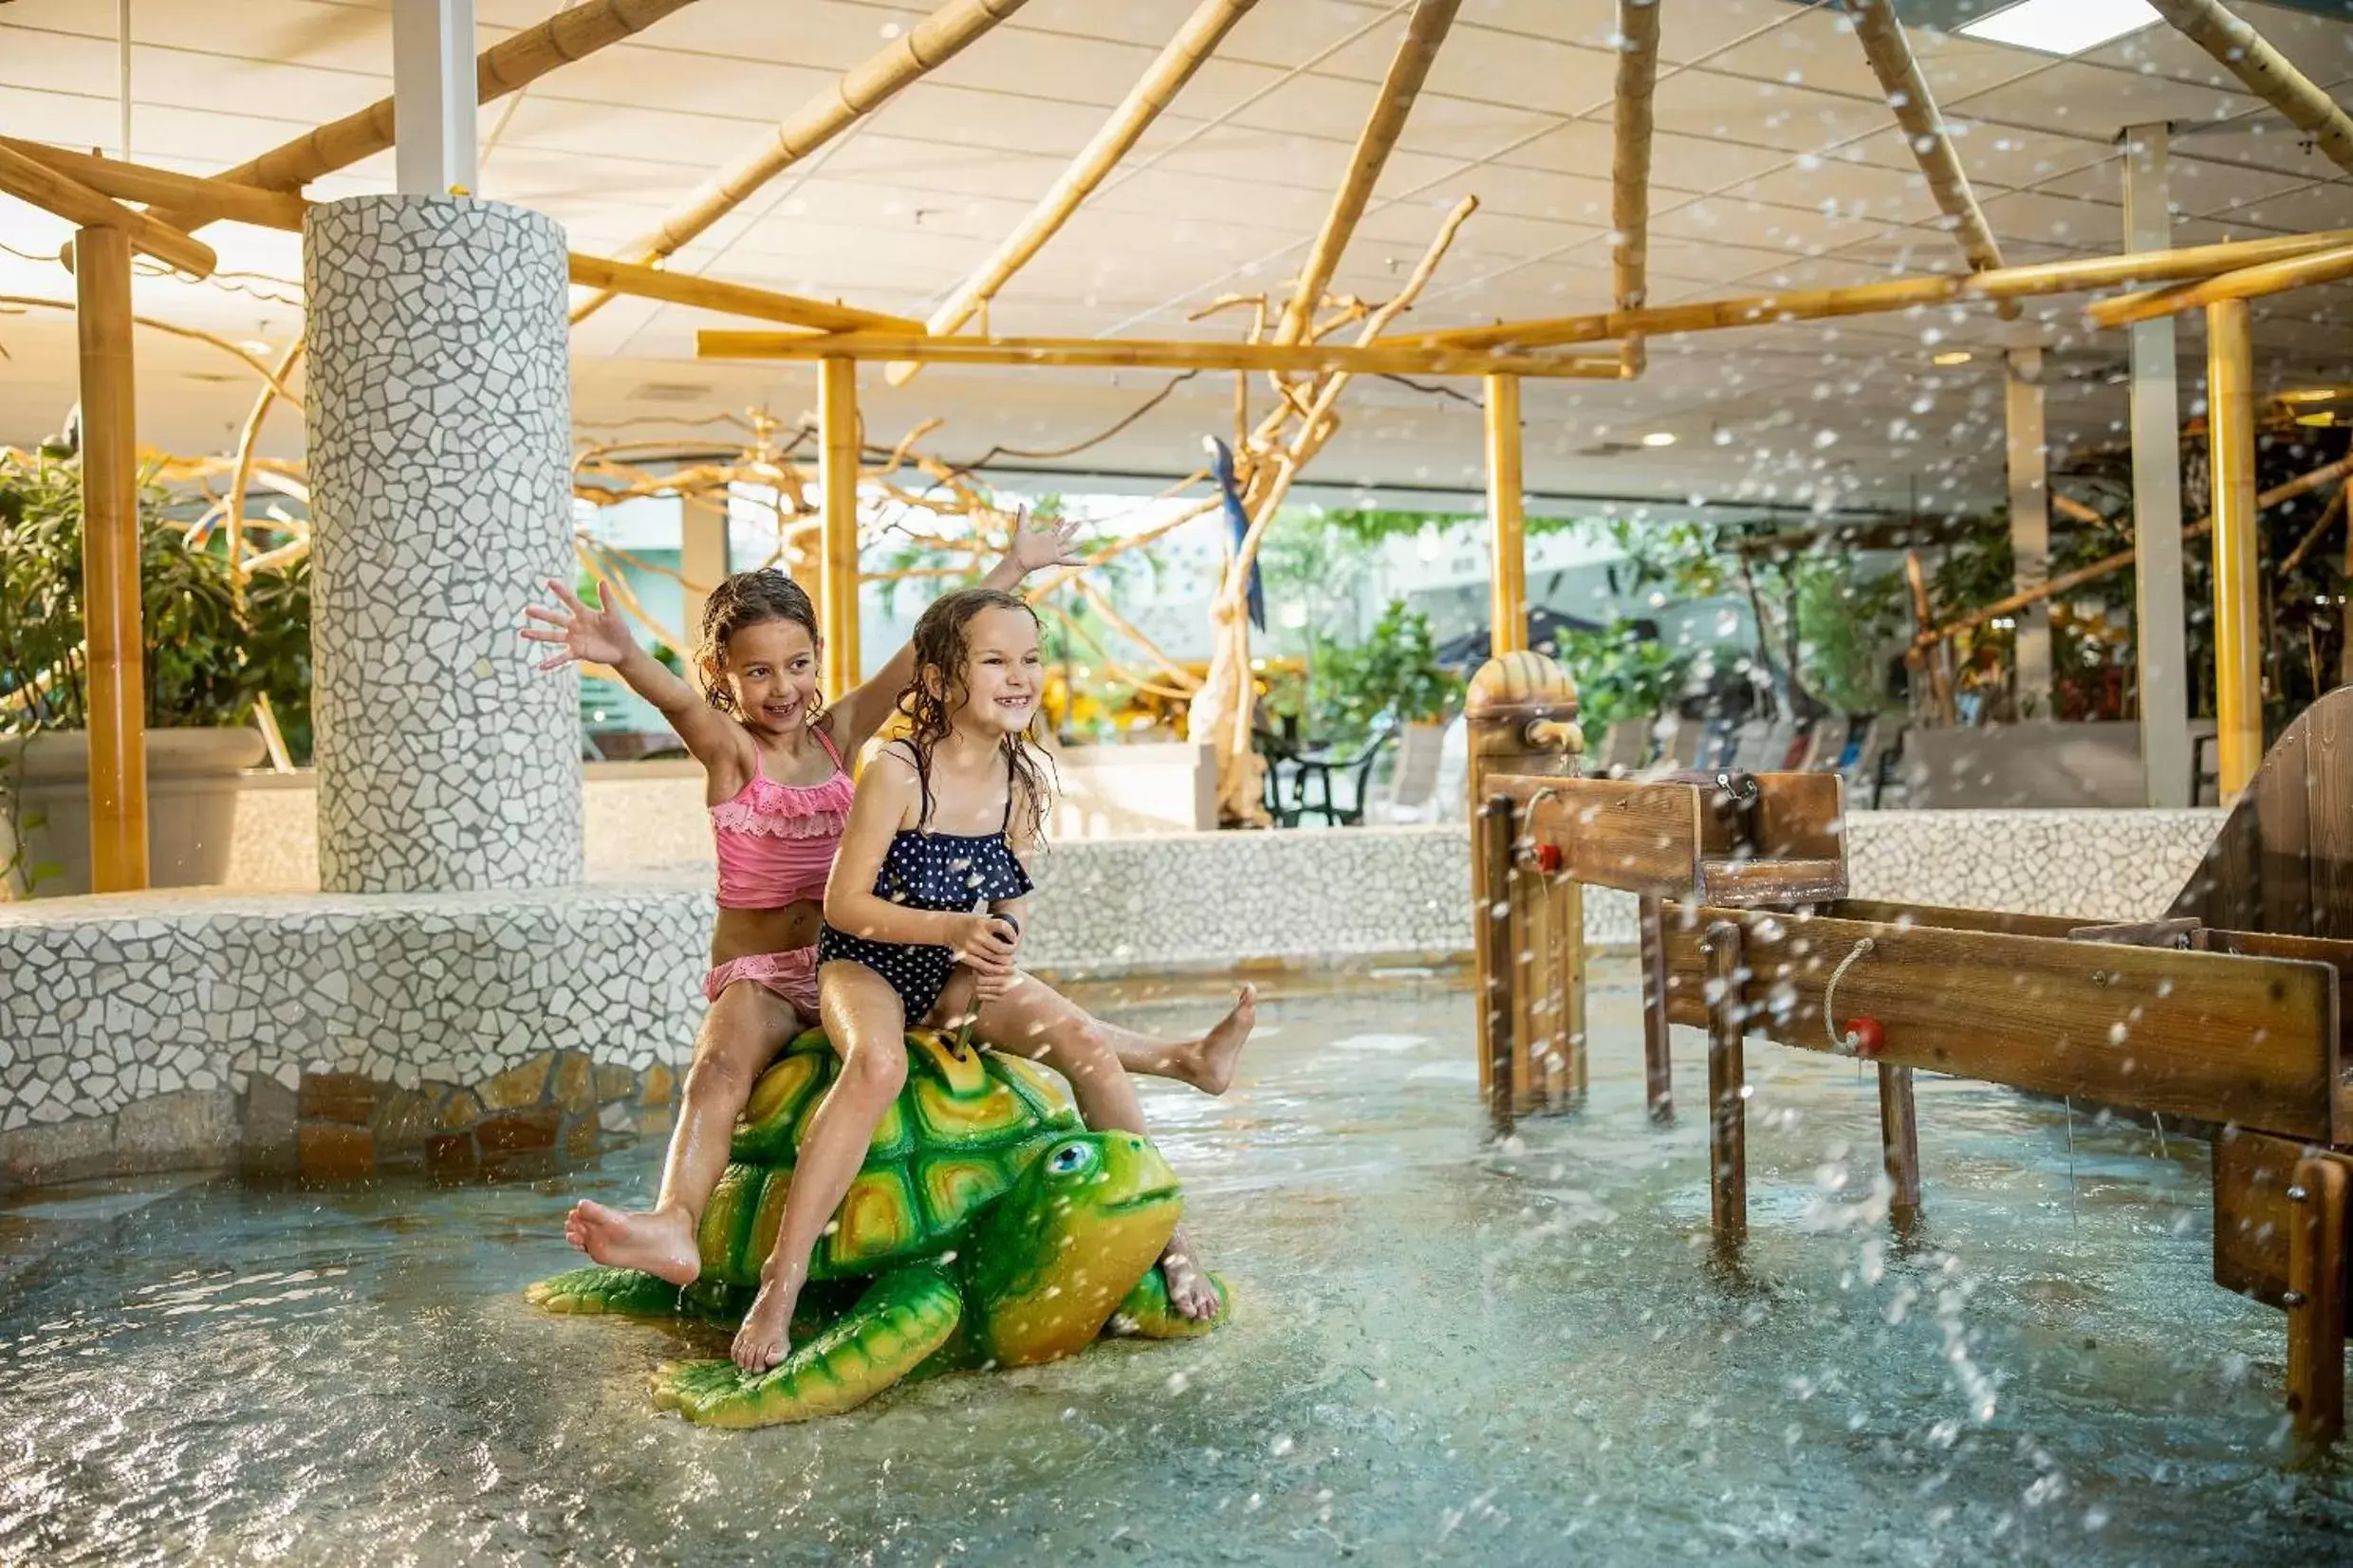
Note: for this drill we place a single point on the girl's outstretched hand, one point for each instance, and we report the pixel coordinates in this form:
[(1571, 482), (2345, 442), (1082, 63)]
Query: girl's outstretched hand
[(590, 634), (1053, 543)]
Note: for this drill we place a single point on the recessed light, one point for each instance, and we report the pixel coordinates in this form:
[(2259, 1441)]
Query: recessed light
[(1659, 438), (2062, 26), (254, 345), (1951, 356), (2320, 421)]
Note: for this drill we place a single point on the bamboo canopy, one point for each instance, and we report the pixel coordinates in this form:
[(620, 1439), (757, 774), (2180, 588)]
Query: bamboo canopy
[(1185, 354), (505, 67), (733, 299), (1424, 31), (856, 93), (2008, 283), (1924, 130), (1629, 163), (2269, 74), (1153, 92), (2244, 283), (159, 187), (68, 199)]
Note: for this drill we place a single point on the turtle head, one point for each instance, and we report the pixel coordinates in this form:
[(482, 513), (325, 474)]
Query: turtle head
[(1067, 1242)]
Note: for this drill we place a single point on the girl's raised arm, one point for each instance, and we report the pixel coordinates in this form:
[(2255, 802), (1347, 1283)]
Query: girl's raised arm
[(858, 715), (598, 635)]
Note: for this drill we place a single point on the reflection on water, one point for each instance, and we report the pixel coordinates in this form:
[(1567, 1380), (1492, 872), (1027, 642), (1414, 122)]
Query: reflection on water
[(1445, 1352)]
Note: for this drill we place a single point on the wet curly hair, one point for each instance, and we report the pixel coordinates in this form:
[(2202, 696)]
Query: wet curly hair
[(939, 644), (746, 599)]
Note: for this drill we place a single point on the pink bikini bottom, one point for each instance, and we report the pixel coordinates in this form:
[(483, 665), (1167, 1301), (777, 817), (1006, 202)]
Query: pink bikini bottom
[(792, 975)]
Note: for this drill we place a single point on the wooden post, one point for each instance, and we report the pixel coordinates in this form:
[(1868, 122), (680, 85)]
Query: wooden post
[(1657, 1058), (2316, 1306), (1499, 829), (2231, 442), (1727, 1106), (1899, 1147), (837, 476), (110, 553), (1507, 609)]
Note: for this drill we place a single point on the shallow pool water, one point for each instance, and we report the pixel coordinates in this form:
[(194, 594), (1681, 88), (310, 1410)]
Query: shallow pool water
[(1445, 1352)]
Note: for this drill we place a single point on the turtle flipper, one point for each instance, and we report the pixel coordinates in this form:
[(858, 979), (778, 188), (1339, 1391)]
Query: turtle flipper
[(903, 1317), (597, 1291), (1146, 1314)]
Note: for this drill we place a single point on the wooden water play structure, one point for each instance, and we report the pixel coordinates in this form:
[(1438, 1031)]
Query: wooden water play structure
[(2227, 1013)]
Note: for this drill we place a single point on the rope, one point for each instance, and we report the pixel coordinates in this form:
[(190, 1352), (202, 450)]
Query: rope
[(1844, 1044)]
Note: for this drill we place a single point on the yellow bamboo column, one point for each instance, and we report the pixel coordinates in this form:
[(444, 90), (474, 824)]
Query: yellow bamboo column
[(110, 613), (2230, 438), (1507, 520), (837, 477)]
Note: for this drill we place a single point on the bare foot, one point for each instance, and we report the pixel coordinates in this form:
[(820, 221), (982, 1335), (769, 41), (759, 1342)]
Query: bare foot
[(766, 1336), (1188, 1290), (659, 1242), (1208, 1062)]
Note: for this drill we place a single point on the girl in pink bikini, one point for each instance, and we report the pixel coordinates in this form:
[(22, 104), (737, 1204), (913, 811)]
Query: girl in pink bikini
[(779, 793)]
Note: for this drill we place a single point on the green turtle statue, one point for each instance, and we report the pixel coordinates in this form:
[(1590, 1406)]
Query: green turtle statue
[(988, 1226)]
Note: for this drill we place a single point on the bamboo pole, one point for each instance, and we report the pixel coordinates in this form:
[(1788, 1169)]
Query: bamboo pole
[(1424, 31), (110, 562), (1906, 87), (1930, 658), (1507, 520), (837, 478), (2074, 511), (2244, 283), (29, 179), (2010, 283), (1158, 86), (159, 187), (1125, 352), (505, 66), (2230, 459), (1629, 171), (2329, 514), (735, 299), (2246, 54), (858, 92), (242, 474)]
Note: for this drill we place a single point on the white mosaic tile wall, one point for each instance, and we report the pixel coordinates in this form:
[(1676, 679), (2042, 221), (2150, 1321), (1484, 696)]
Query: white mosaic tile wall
[(440, 423)]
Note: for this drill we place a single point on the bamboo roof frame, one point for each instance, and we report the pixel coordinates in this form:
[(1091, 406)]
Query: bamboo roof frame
[(2265, 72), (1629, 165), (856, 93), (30, 180), (1924, 131), (1148, 353), (2248, 283)]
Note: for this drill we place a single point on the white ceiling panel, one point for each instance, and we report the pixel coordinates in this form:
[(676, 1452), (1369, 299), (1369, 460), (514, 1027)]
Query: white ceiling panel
[(2095, 103), (1818, 48), (1764, 114), (1677, 162)]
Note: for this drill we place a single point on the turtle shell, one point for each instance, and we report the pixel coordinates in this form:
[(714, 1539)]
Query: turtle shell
[(963, 1128)]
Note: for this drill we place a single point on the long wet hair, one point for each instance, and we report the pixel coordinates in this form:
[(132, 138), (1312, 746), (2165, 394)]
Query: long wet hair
[(939, 644), (746, 599)]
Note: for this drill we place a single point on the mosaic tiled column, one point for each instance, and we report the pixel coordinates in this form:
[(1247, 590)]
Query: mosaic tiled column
[(439, 413)]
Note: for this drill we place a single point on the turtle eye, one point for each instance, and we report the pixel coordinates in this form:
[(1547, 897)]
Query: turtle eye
[(1070, 1157)]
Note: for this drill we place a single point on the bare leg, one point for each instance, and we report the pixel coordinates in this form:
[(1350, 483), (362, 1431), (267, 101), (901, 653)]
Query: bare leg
[(1034, 1010), (1031, 1020), (739, 1036), (867, 1025)]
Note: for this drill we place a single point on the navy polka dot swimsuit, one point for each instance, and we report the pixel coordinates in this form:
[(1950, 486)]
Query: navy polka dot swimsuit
[(947, 872)]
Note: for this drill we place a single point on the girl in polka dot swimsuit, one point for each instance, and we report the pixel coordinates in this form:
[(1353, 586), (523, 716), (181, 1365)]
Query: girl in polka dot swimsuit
[(923, 918), (779, 799)]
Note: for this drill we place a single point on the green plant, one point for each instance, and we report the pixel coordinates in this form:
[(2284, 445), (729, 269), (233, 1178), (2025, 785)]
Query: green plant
[(1392, 674), (1848, 626), (1619, 674)]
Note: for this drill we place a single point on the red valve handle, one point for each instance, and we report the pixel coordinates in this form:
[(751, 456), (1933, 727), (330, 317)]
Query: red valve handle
[(1547, 858), (1868, 1036)]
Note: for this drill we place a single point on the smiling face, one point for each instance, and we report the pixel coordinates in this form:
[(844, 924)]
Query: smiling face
[(1002, 674), (770, 669)]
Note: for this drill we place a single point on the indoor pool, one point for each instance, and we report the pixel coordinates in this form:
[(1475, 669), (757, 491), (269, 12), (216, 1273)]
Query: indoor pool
[(1444, 1351)]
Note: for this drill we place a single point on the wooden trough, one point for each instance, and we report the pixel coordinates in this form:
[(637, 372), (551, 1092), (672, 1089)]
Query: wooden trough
[(2226, 1012)]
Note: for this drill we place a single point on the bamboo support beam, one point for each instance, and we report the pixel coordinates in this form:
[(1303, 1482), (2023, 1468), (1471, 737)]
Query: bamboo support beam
[(161, 187), (733, 299), (2238, 624), (1125, 352), (1158, 86), (239, 569), (34, 181), (2075, 511), (2328, 519), (110, 562), (1924, 131), (1507, 521), (856, 93), (1629, 163), (2008, 283), (507, 66), (1424, 31), (837, 478), (2246, 54), (2247, 283)]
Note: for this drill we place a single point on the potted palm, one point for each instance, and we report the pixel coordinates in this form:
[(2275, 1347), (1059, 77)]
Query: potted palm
[(208, 656)]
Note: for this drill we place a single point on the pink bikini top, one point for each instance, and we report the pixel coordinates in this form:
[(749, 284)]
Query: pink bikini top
[(776, 843)]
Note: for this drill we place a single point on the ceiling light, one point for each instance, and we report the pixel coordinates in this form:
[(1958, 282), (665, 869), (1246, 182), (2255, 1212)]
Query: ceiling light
[(254, 345), (2323, 419), (1659, 438), (1951, 356), (2062, 26)]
